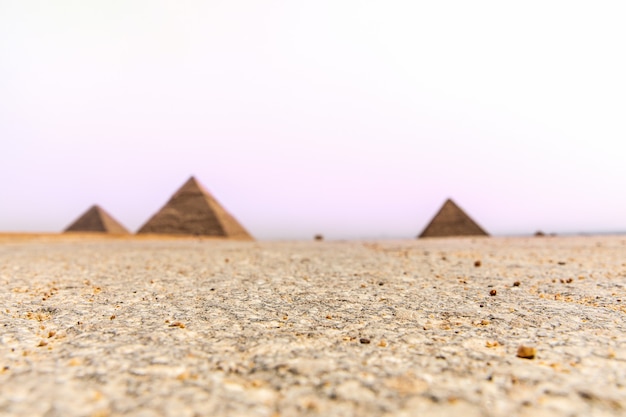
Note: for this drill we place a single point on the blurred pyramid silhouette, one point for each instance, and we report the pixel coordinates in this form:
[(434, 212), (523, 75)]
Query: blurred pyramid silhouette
[(192, 210), (97, 220), (450, 220)]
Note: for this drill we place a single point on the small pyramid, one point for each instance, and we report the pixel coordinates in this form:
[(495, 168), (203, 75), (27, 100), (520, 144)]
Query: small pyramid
[(451, 220), (192, 210), (97, 220)]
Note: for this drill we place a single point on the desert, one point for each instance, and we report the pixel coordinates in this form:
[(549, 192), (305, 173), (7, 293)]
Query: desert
[(98, 325), (312, 208)]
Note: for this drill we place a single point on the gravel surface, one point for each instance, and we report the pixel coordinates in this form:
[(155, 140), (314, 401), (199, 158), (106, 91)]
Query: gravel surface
[(188, 327)]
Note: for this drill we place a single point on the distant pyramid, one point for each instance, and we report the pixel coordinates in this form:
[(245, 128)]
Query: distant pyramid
[(452, 221), (97, 220), (192, 210)]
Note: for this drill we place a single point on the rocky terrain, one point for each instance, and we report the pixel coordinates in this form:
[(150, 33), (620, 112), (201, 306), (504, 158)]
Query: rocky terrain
[(95, 326)]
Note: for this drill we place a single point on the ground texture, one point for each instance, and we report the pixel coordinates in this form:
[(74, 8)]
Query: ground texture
[(188, 327)]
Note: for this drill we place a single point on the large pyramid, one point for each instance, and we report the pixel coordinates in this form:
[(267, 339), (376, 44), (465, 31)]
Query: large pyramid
[(192, 210), (452, 221), (97, 220)]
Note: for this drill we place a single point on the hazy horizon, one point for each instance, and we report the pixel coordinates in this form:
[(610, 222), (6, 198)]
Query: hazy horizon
[(354, 119)]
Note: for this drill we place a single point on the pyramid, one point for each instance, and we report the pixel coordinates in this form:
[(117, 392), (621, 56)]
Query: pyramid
[(97, 220), (192, 210), (451, 220)]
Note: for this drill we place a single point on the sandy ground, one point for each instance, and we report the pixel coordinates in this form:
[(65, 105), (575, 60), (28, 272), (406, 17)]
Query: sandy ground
[(186, 327)]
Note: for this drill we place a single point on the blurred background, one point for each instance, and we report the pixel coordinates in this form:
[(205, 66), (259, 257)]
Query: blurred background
[(355, 119)]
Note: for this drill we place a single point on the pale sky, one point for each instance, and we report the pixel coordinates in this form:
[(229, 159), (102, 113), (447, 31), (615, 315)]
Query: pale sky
[(354, 119)]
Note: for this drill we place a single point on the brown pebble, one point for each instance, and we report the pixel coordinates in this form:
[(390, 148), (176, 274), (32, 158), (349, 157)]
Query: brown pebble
[(493, 293), (477, 263), (42, 343), (178, 324), (112, 317), (364, 341), (526, 352), (516, 284)]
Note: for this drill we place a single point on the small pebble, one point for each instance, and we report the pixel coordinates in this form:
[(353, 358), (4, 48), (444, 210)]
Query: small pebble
[(516, 284), (493, 293), (526, 352), (364, 341), (477, 263)]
